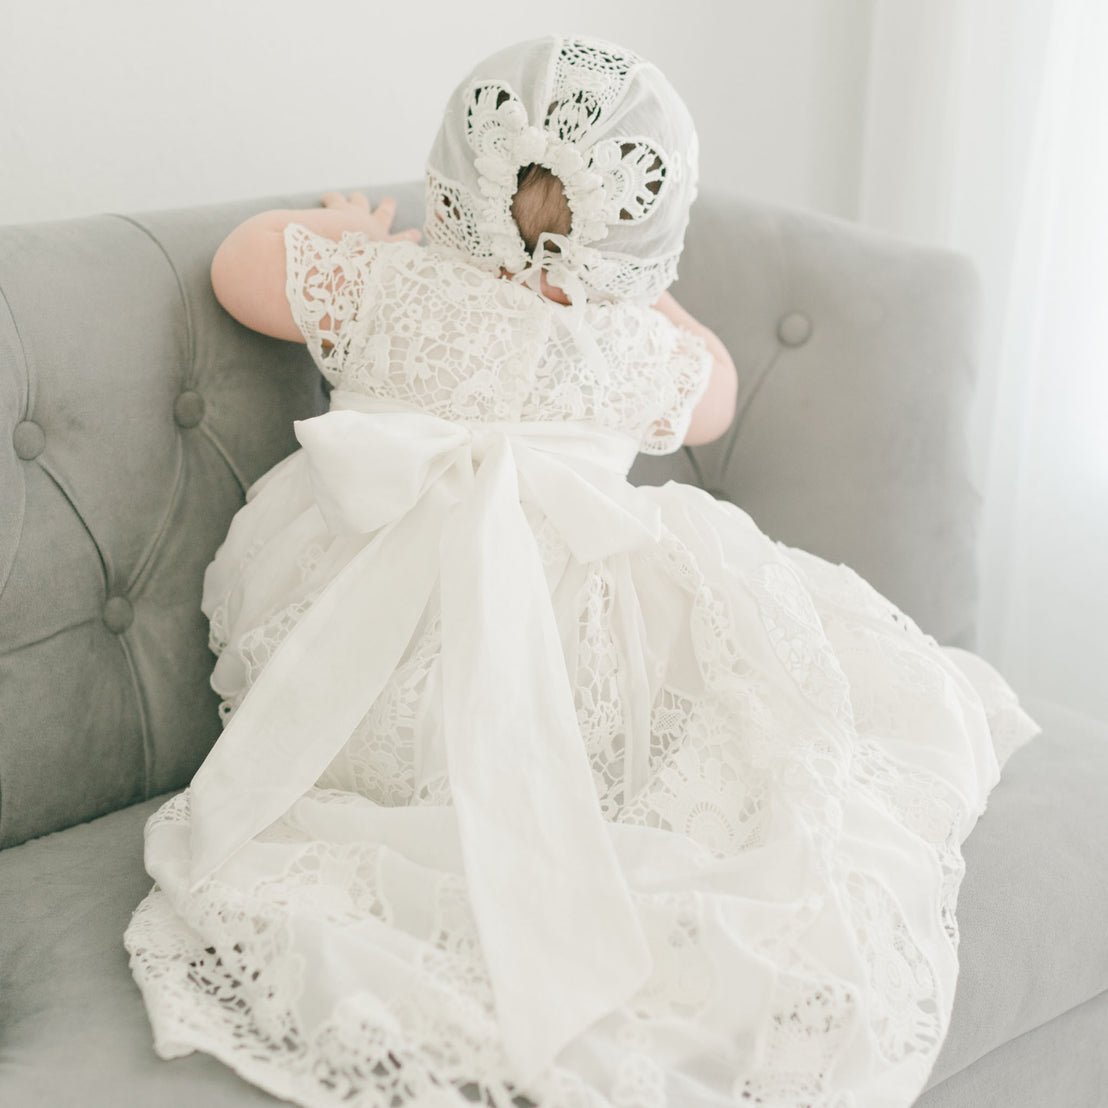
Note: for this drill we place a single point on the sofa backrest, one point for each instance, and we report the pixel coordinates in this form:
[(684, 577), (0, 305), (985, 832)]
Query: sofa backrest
[(134, 413)]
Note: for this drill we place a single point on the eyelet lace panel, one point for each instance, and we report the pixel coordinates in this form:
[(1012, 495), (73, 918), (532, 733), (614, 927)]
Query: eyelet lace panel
[(455, 223), (589, 79), (633, 175)]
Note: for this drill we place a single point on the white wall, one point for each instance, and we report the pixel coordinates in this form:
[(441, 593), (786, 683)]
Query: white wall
[(125, 105)]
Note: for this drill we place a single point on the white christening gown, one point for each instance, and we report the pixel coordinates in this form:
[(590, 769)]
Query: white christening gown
[(537, 788)]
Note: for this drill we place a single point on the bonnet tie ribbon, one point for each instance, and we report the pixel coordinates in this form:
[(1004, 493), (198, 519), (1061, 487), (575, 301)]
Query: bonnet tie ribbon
[(563, 265), (442, 502)]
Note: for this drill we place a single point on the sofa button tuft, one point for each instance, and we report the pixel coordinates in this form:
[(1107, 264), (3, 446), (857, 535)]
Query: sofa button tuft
[(794, 329), (118, 614), (188, 409), (28, 439)]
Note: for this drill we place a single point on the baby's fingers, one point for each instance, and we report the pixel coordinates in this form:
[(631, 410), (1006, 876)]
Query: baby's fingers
[(359, 200), (385, 213), (334, 200)]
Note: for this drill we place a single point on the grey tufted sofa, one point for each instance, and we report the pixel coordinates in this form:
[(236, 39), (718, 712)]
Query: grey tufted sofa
[(133, 415)]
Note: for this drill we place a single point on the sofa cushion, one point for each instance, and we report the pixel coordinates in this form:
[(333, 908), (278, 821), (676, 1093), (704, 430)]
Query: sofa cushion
[(1062, 1064), (74, 1028), (1035, 900), (75, 1032)]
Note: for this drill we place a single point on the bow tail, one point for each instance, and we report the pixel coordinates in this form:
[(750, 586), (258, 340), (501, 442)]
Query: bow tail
[(560, 935), (315, 689)]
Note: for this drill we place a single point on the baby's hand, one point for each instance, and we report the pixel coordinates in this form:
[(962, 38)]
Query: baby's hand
[(375, 224)]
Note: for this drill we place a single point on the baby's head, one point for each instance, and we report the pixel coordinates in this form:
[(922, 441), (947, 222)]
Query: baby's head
[(539, 205), (572, 155)]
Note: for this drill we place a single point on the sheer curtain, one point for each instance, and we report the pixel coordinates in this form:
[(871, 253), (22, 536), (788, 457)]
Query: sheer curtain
[(987, 132)]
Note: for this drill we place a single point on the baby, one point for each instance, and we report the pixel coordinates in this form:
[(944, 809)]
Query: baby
[(537, 787)]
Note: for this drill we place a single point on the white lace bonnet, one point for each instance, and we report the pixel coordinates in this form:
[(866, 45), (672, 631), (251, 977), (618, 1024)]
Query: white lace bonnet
[(609, 126)]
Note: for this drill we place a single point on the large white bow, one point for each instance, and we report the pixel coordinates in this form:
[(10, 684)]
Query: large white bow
[(443, 501)]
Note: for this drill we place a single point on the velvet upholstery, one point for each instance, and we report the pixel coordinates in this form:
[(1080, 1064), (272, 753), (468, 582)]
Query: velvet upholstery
[(133, 415)]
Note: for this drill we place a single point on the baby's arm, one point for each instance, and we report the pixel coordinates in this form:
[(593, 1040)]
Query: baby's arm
[(248, 270), (716, 408)]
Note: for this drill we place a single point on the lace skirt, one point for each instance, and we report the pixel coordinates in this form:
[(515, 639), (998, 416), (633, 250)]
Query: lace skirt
[(786, 767)]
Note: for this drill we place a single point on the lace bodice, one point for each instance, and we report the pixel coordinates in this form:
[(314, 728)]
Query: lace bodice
[(422, 326)]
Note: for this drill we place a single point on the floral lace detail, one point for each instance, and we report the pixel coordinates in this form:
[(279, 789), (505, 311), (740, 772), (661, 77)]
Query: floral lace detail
[(925, 805), (237, 992), (714, 784), (589, 78), (420, 326), (378, 760), (905, 1013), (599, 698), (456, 221), (798, 640), (810, 1024)]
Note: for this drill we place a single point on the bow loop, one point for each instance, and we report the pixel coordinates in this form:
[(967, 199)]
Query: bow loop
[(366, 471)]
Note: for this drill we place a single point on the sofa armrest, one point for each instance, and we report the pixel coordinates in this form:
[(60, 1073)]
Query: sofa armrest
[(857, 358)]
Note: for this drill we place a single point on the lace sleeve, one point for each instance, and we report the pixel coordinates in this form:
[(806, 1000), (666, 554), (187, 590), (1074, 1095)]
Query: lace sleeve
[(687, 367), (327, 286)]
